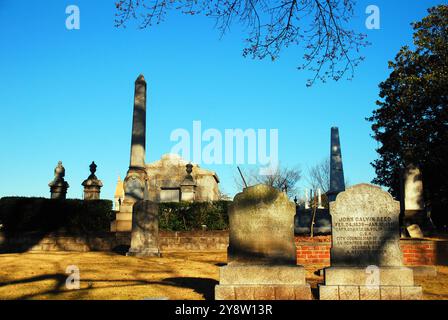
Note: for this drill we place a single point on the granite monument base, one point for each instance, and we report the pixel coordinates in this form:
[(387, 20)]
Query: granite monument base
[(355, 283), (144, 253), (262, 282), (123, 220)]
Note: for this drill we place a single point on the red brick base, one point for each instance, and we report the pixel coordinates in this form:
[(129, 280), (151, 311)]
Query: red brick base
[(415, 252)]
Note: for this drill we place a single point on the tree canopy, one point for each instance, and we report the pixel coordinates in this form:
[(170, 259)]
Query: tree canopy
[(321, 27), (411, 123)]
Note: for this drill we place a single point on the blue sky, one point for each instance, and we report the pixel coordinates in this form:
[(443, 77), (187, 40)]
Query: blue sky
[(68, 95)]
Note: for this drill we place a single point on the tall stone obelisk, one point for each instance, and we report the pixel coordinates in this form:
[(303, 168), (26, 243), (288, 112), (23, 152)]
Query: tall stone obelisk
[(135, 181), (337, 182), (138, 140)]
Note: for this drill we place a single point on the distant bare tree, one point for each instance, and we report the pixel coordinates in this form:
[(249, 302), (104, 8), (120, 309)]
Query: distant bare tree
[(321, 27), (283, 179), (222, 195), (319, 176)]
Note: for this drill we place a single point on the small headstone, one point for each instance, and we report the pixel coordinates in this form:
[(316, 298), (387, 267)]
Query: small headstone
[(145, 230), (366, 260), (261, 253), (415, 231), (58, 187)]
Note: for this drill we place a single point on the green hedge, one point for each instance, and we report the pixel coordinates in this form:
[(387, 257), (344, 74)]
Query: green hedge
[(20, 214), (185, 216)]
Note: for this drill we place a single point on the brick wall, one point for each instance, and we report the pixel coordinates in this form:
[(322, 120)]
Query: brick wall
[(314, 251), (415, 252), (169, 241)]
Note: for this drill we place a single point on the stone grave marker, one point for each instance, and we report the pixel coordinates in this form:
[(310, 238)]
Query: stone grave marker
[(366, 260), (145, 230), (261, 252)]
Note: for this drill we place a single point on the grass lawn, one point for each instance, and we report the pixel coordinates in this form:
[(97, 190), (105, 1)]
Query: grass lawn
[(112, 276)]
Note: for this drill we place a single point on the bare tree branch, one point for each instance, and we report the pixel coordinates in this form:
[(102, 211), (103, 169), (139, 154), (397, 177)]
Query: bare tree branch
[(320, 27)]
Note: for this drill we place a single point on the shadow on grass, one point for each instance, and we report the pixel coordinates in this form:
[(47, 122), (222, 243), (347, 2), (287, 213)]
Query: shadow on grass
[(203, 286)]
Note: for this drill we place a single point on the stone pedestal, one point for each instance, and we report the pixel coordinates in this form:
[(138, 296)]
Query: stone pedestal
[(59, 190), (366, 260), (145, 230), (371, 283), (261, 252), (123, 218), (262, 282)]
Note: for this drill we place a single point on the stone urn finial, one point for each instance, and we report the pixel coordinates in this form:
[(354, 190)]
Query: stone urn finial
[(189, 169), (92, 167), (92, 185), (58, 186), (59, 172)]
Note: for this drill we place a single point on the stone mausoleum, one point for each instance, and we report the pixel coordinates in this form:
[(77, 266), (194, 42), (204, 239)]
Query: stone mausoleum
[(170, 179)]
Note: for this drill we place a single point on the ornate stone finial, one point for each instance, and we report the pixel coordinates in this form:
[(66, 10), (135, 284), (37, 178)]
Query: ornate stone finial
[(189, 169), (58, 186), (59, 172), (92, 167), (92, 186), (188, 186)]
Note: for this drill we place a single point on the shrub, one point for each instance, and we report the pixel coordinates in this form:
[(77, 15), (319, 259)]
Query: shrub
[(21, 214), (185, 216)]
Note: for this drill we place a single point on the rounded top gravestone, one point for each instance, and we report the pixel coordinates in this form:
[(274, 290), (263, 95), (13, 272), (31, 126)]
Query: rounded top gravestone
[(261, 222), (365, 228)]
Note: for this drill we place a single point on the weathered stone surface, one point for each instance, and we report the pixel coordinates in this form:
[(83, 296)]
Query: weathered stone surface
[(92, 185), (415, 231), (58, 186), (361, 276), (413, 188), (365, 228), (262, 275), (390, 293), (171, 182), (145, 229), (285, 293), (261, 222), (348, 292), (138, 141), (261, 252), (225, 293), (411, 293), (328, 292), (366, 260), (369, 293), (262, 292)]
